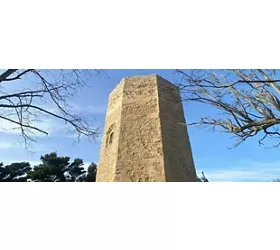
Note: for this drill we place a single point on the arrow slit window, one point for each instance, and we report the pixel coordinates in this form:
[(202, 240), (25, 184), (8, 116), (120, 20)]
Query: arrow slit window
[(110, 134)]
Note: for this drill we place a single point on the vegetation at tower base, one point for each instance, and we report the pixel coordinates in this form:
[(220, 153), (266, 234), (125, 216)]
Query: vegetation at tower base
[(202, 178), (52, 169), (92, 170), (15, 172), (28, 96), (248, 100)]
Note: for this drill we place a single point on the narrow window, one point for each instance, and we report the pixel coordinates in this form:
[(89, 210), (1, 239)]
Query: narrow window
[(110, 134), (111, 137)]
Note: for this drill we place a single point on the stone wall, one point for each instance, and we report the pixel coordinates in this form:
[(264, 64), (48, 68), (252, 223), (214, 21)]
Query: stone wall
[(143, 139), (110, 140), (140, 146), (178, 160)]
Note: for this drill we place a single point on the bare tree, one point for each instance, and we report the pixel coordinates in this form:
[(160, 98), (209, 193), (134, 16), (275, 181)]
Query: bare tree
[(248, 99), (202, 178), (28, 96)]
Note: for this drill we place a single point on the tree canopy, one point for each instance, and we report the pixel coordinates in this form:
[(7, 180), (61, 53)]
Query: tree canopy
[(14, 172), (53, 168)]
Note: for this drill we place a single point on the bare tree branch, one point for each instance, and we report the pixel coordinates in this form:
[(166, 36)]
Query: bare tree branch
[(249, 99), (39, 90), (6, 74), (16, 77)]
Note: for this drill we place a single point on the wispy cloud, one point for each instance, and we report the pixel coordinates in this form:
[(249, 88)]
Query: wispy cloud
[(255, 171), (12, 128), (5, 145), (53, 126), (93, 109)]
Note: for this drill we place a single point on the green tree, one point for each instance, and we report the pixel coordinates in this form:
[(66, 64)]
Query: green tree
[(2, 171), (57, 169), (15, 172), (75, 170), (91, 173)]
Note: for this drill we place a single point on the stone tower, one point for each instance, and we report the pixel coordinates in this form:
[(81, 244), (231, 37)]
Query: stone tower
[(144, 137)]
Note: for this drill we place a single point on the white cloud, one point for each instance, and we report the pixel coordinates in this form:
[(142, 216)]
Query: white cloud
[(18, 145), (256, 171), (4, 145), (93, 109), (12, 128), (53, 126), (9, 127)]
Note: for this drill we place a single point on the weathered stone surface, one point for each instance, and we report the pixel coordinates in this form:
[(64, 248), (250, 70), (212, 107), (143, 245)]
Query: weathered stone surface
[(144, 139)]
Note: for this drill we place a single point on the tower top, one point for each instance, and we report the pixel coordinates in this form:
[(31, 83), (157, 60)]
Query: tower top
[(137, 80), (148, 76)]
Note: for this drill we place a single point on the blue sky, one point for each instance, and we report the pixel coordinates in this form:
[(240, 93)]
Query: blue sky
[(247, 162)]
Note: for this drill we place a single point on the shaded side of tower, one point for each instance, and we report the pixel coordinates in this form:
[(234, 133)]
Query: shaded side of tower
[(177, 153), (144, 139), (110, 141)]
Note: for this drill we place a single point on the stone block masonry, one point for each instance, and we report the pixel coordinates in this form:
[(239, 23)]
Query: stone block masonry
[(144, 137)]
